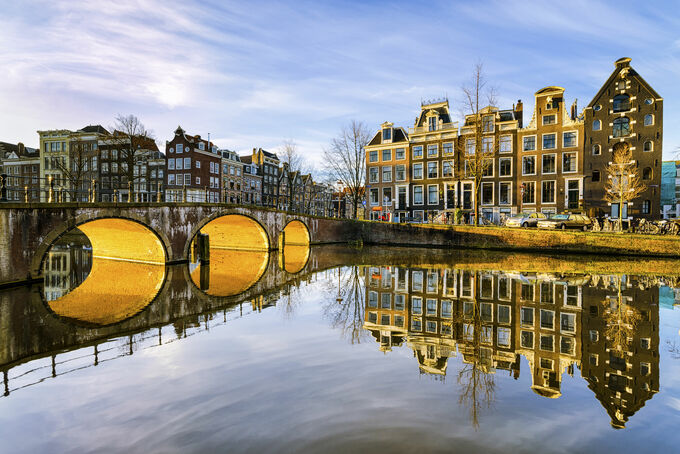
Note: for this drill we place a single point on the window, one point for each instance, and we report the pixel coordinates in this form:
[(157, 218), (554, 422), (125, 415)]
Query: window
[(416, 305), (504, 193), (374, 196), (596, 176), (418, 152), (649, 120), (505, 144), (387, 174), (529, 165), (548, 192), (529, 193), (547, 319), (597, 125), (447, 148), (547, 344), (594, 335), (487, 145), (432, 169), (487, 193), (527, 339), (549, 119), (621, 103), (549, 164), (372, 174), (418, 171), (621, 127), (569, 162), (432, 123), (387, 134), (372, 156), (646, 206), (644, 369), (596, 149), (470, 146), (487, 123), (416, 324), (644, 343), (417, 195), (447, 308), (400, 171), (431, 306), (505, 167), (503, 314), (178, 163), (387, 196), (549, 141), (447, 169), (568, 323), (648, 146), (527, 292), (647, 173), (432, 151), (187, 163), (179, 147), (529, 143), (432, 195), (171, 178), (527, 316), (385, 301), (198, 180), (387, 155), (569, 139), (399, 302), (400, 153)]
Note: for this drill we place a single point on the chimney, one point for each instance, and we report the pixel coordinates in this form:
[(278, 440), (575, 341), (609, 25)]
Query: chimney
[(574, 110), (519, 112), (21, 148)]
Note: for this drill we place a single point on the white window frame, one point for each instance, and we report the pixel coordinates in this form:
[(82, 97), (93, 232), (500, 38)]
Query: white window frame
[(396, 173), (370, 157), (500, 143), (522, 197), (436, 168), (413, 171), (422, 200), (599, 125), (543, 136), (493, 193), (575, 153), (382, 174), (644, 120), (435, 147), (413, 152), (526, 137), (493, 168), (452, 168), (526, 157), (436, 193), (593, 148), (382, 155), (510, 183), (575, 131), (543, 172), (548, 116), (506, 158), (543, 202)]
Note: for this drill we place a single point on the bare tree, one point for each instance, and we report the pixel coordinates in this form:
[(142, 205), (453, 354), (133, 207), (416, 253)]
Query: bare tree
[(346, 311), (75, 170), (621, 321), (133, 141), (478, 156), (292, 163), (623, 179), (346, 160)]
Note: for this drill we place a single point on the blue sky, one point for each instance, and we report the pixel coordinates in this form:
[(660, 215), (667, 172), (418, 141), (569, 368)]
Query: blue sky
[(257, 73)]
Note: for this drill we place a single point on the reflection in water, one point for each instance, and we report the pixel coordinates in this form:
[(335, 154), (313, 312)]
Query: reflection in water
[(492, 332), (492, 318), (229, 271), (295, 258), (81, 287)]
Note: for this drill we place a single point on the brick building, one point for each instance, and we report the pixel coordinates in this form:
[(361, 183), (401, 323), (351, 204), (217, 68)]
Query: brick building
[(20, 172)]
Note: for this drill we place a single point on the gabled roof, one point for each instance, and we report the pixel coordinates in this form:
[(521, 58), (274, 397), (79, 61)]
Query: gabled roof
[(98, 129), (398, 135), (622, 64)]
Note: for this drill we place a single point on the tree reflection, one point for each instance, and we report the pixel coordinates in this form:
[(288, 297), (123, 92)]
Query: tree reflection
[(346, 310), (478, 385), (621, 319)]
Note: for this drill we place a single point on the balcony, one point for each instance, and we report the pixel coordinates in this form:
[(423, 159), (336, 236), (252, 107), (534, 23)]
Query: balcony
[(439, 127)]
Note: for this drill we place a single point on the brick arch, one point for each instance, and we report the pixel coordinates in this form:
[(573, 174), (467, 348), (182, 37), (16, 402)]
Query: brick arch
[(62, 228), (262, 229), (297, 233)]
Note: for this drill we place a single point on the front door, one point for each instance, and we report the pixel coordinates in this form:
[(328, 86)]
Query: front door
[(572, 194), (450, 197), (402, 198), (467, 196)]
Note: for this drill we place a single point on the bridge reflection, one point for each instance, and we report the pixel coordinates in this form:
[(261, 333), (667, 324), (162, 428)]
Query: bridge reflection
[(230, 272)]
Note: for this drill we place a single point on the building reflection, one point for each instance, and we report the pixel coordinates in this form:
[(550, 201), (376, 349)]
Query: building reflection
[(606, 326), (67, 264)]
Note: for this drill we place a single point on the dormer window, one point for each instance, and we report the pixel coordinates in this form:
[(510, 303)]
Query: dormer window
[(487, 123), (432, 124), (387, 134), (201, 146)]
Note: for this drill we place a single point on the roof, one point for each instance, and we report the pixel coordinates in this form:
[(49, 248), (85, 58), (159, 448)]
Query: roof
[(398, 135), (622, 64), (19, 149), (247, 159), (99, 129), (551, 89)]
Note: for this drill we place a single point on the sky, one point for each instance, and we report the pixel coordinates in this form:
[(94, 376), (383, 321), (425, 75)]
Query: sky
[(255, 74)]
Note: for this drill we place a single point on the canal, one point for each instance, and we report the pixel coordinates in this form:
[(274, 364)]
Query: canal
[(342, 349)]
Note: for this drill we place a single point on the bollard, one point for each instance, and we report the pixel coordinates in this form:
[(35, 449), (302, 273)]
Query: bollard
[(204, 282), (203, 247)]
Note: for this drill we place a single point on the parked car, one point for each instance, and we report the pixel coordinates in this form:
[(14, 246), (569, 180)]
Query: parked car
[(566, 221), (525, 220)]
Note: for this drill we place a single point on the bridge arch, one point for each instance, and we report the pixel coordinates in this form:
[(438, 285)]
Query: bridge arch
[(294, 247), (127, 238), (296, 233), (231, 230)]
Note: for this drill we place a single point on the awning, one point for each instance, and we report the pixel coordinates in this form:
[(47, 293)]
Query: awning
[(377, 208)]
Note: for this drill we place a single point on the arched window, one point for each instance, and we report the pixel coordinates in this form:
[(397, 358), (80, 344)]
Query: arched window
[(596, 176), (647, 173), (649, 120), (597, 125), (621, 103), (596, 149), (648, 146), (621, 127)]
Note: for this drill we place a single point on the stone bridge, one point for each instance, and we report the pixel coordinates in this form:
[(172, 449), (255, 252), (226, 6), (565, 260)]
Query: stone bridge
[(149, 232)]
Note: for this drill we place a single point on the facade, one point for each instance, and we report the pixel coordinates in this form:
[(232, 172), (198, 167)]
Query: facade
[(232, 177), (268, 166), (20, 172), (626, 109), (388, 175), (670, 189), (193, 169), (498, 190), (252, 182), (550, 163), (156, 176)]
